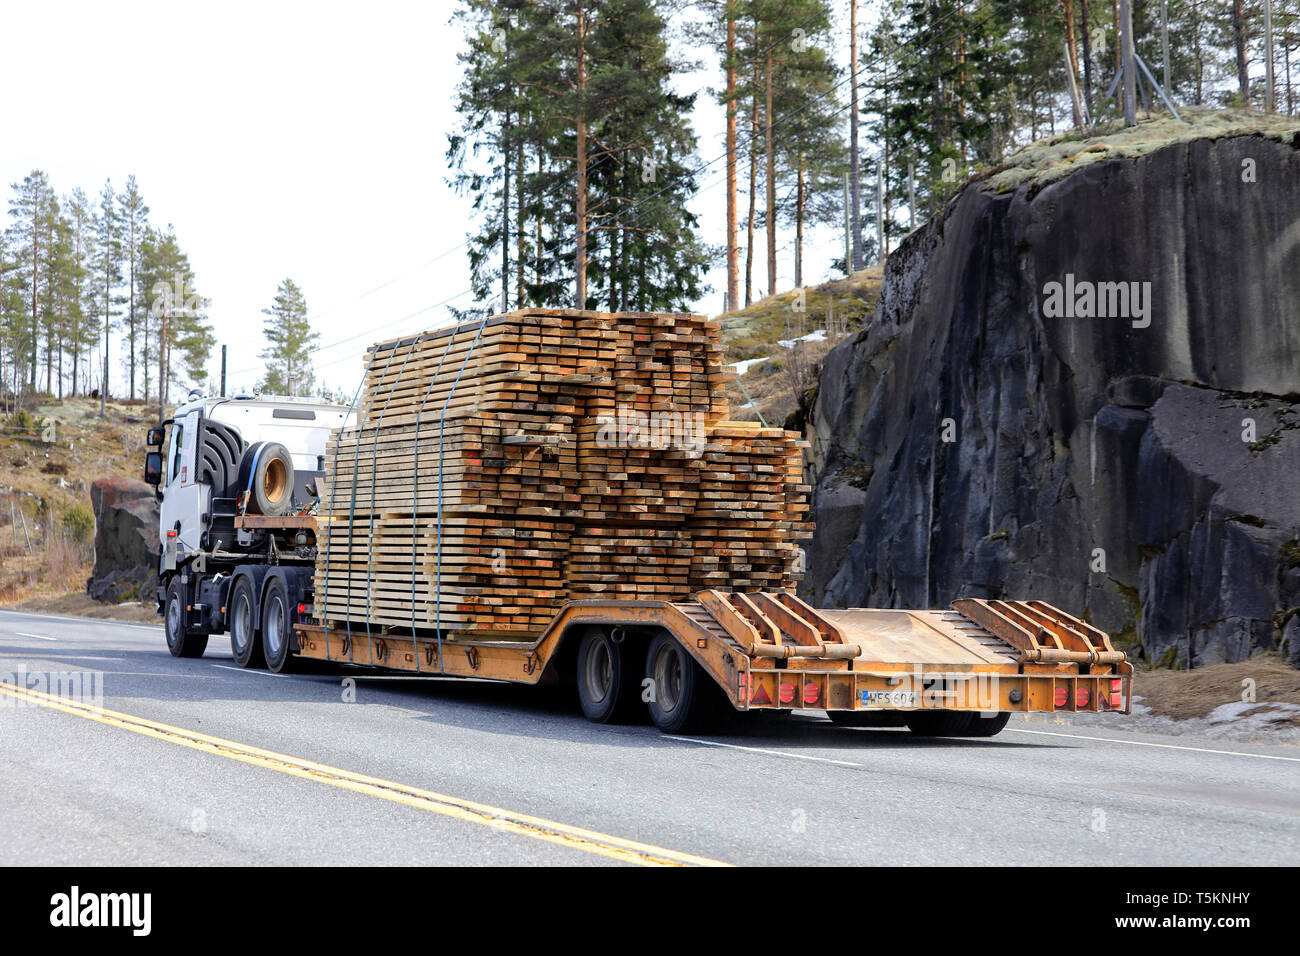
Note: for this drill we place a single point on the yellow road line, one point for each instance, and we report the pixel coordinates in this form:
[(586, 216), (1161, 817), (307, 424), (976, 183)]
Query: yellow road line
[(589, 841)]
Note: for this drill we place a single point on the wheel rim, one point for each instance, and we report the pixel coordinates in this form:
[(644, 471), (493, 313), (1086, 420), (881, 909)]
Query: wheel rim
[(275, 481), (668, 678), (174, 621), (599, 671), (241, 627), (272, 627)]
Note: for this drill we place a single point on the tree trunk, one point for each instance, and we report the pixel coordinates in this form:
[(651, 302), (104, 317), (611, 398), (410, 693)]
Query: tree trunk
[(130, 295), (1087, 55), (855, 187), (580, 223), (753, 176), (505, 214), (36, 246), (1239, 40), (520, 226), (733, 264), (798, 228), (771, 182)]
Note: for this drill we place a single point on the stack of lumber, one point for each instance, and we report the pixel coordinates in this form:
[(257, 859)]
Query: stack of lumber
[(494, 470)]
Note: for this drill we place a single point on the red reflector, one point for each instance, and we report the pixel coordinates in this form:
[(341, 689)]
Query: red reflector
[(171, 534), (1061, 696), (787, 693), (760, 695), (1081, 697), (810, 693)]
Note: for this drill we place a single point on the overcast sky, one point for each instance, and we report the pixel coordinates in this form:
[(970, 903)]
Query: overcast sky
[(286, 139)]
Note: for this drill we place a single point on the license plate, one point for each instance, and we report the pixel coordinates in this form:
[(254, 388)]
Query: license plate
[(889, 698)]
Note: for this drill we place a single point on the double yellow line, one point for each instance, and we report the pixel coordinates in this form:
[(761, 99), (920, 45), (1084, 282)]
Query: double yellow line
[(576, 838)]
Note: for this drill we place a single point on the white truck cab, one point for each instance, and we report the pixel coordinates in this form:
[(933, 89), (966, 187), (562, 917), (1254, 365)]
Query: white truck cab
[(236, 481), (301, 425)]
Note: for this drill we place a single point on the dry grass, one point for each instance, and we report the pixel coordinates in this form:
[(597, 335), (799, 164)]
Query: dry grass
[(40, 481), (1051, 159), (841, 307), (1194, 693)]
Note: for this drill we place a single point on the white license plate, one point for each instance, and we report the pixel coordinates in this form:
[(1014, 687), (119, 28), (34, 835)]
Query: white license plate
[(889, 698)]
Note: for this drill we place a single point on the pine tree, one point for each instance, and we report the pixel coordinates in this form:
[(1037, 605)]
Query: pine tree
[(107, 277), (81, 331), (175, 320), (134, 218), (288, 330), (576, 154), (35, 213)]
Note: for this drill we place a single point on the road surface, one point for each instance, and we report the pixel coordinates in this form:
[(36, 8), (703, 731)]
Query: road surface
[(200, 762)]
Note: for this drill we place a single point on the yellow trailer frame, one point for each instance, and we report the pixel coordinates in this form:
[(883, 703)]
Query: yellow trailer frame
[(772, 651)]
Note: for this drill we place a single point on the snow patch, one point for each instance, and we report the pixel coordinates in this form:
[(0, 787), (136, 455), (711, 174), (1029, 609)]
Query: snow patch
[(743, 367), (818, 336)]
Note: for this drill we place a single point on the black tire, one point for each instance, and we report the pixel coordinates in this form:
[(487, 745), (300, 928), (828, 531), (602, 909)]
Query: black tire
[(174, 613), (278, 619), (981, 726), (266, 471), (939, 723), (609, 688), (684, 699), (245, 639)]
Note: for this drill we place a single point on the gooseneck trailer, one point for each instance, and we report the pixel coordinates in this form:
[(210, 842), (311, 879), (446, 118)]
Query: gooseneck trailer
[(481, 512)]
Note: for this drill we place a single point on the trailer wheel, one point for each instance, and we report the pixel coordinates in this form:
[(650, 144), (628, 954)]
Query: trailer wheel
[(178, 642), (683, 698), (607, 685), (939, 723), (853, 718), (245, 643), (981, 726), (277, 628)]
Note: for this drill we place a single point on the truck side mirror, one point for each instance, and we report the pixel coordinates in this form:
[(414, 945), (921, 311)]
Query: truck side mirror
[(153, 466), (155, 437)]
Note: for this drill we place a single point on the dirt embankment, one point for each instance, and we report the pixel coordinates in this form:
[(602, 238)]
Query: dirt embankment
[(50, 454)]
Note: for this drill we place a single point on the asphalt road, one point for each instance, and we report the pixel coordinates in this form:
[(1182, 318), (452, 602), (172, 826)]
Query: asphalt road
[(427, 771)]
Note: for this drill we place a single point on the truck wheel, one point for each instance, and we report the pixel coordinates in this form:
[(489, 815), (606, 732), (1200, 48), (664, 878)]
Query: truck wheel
[(683, 698), (277, 628), (245, 644), (981, 726), (939, 723), (607, 679), (178, 642)]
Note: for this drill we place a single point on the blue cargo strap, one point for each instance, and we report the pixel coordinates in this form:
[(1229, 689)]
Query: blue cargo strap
[(415, 497), (352, 406)]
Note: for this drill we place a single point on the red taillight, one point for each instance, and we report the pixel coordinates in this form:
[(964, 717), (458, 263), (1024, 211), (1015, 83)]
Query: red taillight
[(1062, 696), (787, 693), (302, 609), (1116, 693), (1081, 697), (810, 693), (172, 534)]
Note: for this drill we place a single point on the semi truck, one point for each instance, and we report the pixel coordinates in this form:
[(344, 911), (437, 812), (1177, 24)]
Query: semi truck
[(239, 480)]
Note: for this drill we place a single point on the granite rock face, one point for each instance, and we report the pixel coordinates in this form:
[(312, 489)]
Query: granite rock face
[(1009, 426), (126, 540)]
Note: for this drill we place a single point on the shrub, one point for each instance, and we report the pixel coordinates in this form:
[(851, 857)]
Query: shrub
[(79, 523)]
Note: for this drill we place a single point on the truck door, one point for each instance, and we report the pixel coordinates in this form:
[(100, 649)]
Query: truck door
[(184, 498)]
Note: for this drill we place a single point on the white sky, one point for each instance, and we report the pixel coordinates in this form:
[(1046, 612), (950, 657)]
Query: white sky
[(286, 139)]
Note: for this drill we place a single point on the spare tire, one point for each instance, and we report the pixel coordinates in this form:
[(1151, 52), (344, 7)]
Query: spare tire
[(266, 472)]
